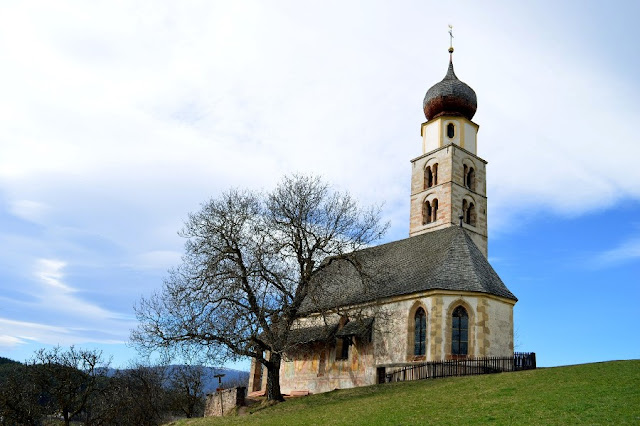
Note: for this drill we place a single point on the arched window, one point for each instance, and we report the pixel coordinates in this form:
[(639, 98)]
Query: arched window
[(451, 130), (420, 329), (470, 179), (427, 212), (430, 176), (434, 210), (469, 213), (465, 206), (460, 332)]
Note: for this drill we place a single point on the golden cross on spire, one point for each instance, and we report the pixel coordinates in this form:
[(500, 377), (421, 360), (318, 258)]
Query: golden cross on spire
[(450, 40)]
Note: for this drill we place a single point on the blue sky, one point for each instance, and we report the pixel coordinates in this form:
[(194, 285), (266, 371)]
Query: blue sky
[(119, 118)]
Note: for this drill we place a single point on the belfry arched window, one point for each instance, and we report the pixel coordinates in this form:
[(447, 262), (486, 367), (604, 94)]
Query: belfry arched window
[(427, 212), (451, 130), (434, 210), (420, 330), (468, 212), (430, 211), (460, 332), (431, 176), (469, 177)]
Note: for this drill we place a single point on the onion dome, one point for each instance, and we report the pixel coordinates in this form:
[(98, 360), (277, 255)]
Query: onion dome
[(450, 97)]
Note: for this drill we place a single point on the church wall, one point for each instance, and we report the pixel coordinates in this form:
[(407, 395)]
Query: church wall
[(501, 326), (490, 334), (314, 368), (470, 138), (391, 334), (430, 136)]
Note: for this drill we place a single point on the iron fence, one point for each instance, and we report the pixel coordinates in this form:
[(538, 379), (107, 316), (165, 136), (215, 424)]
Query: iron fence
[(460, 367)]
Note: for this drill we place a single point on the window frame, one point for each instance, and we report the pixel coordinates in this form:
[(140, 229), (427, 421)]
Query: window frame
[(420, 333), (457, 341), (342, 348), (451, 130)]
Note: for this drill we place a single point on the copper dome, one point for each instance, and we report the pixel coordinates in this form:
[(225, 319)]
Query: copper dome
[(450, 97)]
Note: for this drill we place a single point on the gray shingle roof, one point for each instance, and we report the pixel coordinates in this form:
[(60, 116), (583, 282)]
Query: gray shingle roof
[(356, 328), (322, 333), (451, 97), (319, 333), (446, 259)]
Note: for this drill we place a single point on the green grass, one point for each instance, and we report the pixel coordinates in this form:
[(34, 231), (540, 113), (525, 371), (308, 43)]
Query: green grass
[(600, 393)]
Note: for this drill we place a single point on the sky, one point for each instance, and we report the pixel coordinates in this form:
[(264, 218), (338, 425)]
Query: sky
[(120, 118)]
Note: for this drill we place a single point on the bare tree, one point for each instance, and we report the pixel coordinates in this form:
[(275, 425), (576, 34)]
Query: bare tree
[(186, 388), (68, 379), (133, 396), (249, 263), (19, 396)]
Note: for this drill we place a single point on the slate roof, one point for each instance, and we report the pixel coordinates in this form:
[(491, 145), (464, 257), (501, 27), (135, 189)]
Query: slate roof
[(356, 328), (323, 333), (446, 259), (319, 333)]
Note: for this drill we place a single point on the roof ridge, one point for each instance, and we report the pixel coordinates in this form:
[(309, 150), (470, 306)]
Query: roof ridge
[(481, 265), (443, 230), (471, 258)]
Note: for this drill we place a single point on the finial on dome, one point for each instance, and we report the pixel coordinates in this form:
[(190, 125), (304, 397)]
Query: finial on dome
[(451, 96)]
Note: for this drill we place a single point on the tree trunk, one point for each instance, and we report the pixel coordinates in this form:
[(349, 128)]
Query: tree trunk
[(273, 378)]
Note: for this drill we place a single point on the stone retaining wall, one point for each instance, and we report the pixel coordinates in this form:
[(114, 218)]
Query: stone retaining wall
[(223, 401)]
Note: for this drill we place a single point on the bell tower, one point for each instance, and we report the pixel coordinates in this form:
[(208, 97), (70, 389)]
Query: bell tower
[(448, 181)]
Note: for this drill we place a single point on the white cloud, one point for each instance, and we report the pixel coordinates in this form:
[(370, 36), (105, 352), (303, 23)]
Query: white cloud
[(9, 342), (29, 210), (627, 251), (56, 295), (63, 316), (49, 271)]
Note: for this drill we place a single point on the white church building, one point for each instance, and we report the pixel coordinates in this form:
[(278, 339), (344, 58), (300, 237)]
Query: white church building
[(435, 296)]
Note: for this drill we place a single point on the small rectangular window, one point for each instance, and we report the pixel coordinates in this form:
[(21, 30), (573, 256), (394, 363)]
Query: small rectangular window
[(342, 348)]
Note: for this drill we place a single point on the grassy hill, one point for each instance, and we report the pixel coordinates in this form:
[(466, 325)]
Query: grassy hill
[(600, 393)]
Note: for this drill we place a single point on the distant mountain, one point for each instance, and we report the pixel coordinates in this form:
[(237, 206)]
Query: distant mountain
[(232, 378)]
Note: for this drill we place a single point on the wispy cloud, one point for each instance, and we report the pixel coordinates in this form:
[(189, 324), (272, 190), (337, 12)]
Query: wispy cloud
[(9, 342), (29, 210), (625, 252), (66, 317), (49, 272)]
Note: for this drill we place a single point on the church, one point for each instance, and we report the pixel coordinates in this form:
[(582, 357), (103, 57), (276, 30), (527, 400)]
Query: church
[(435, 296)]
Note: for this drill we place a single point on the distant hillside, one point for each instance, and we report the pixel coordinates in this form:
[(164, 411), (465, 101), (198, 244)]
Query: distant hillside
[(231, 377), (600, 393), (6, 366), (4, 360)]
